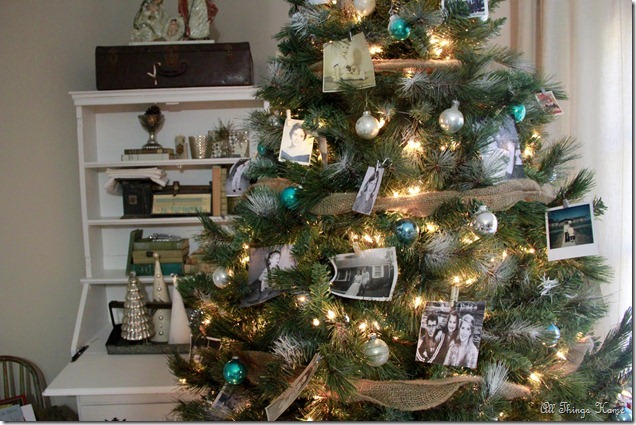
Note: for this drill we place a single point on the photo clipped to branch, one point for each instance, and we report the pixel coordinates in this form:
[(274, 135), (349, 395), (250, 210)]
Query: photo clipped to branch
[(264, 261), (503, 152), (369, 276), (450, 335), (296, 144), (347, 61), (570, 232)]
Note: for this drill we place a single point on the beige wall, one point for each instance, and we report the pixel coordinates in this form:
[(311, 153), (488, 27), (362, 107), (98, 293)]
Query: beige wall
[(47, 50)]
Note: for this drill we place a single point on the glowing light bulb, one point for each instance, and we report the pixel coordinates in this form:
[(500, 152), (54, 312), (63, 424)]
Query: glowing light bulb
[(302, 299), (456, 280), (375, 49), (362, 326), (331, 315), (396, 195), (561, 355), (367, 238), (535, 377), (316, 322), (528, 152), (417, 302), (183, 381), (430, 227)]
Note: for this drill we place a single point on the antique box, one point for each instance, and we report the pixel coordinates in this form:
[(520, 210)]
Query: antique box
[(173, 65)]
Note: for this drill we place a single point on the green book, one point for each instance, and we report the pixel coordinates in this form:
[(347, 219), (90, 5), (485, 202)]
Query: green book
[(148, 244)]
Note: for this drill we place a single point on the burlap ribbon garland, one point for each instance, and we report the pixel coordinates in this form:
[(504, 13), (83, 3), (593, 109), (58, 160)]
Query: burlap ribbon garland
[(420, 394), (423, 394), (400, 65), (496, 198)]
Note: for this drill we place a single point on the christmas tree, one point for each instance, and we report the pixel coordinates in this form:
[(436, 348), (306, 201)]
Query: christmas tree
[(414, 245)]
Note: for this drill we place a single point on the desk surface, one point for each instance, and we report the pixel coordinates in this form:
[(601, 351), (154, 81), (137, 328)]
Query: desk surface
[(97, 373)]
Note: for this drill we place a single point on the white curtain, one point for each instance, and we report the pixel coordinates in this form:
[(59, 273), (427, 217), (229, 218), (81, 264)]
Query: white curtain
[(587, 46)]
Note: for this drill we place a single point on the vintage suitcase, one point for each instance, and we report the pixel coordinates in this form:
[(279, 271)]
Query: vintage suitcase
[(173, 65)]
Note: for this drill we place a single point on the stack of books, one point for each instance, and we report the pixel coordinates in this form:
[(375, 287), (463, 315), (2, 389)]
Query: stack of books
[(152, 154), (173, 253)]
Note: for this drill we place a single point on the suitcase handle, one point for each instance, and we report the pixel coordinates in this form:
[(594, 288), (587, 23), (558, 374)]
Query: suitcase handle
[(172, 71)]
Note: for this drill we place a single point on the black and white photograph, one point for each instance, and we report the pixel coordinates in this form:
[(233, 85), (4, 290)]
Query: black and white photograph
[(199, 343), (296, 144), (282, 402), (450, 334), (504, 152), (228, 399), (478, 8), (237, 183), (368, 190), (347, 61), (263, 261), (570, 232), (369, 276), (548, 102)]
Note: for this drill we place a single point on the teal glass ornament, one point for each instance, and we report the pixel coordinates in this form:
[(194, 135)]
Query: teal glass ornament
[(288, 197), (399, 28), (518, 112), (622, 414), (552, 335), (234, 371), (261, 149), (407, 231)]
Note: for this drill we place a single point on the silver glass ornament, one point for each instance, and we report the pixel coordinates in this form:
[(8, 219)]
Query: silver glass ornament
[(452, 120), (221, 277), (364, 7), (485, 222), (367, 126), (376, 351)]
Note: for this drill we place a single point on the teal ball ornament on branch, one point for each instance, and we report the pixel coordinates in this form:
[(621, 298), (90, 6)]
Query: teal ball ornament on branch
[(518, 112), (398, 28), (367, 126), (552, 335), (407, 231), (234, 371), (452, 120), (289, 197), (621, 414), (375, 351), (262, 150)]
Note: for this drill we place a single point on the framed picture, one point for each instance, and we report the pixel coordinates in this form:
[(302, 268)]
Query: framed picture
[(570, 232), (262, 262), (347, 61), (296, 144), (503, 153), (369, 276), (19, 400), (450, 335)]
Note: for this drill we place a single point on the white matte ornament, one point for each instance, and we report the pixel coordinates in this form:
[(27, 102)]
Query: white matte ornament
[(180, 332), (452, 120), (161, 318), (376, 351), (367, 126), (485, 222), (221, 277), (364, 7)]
